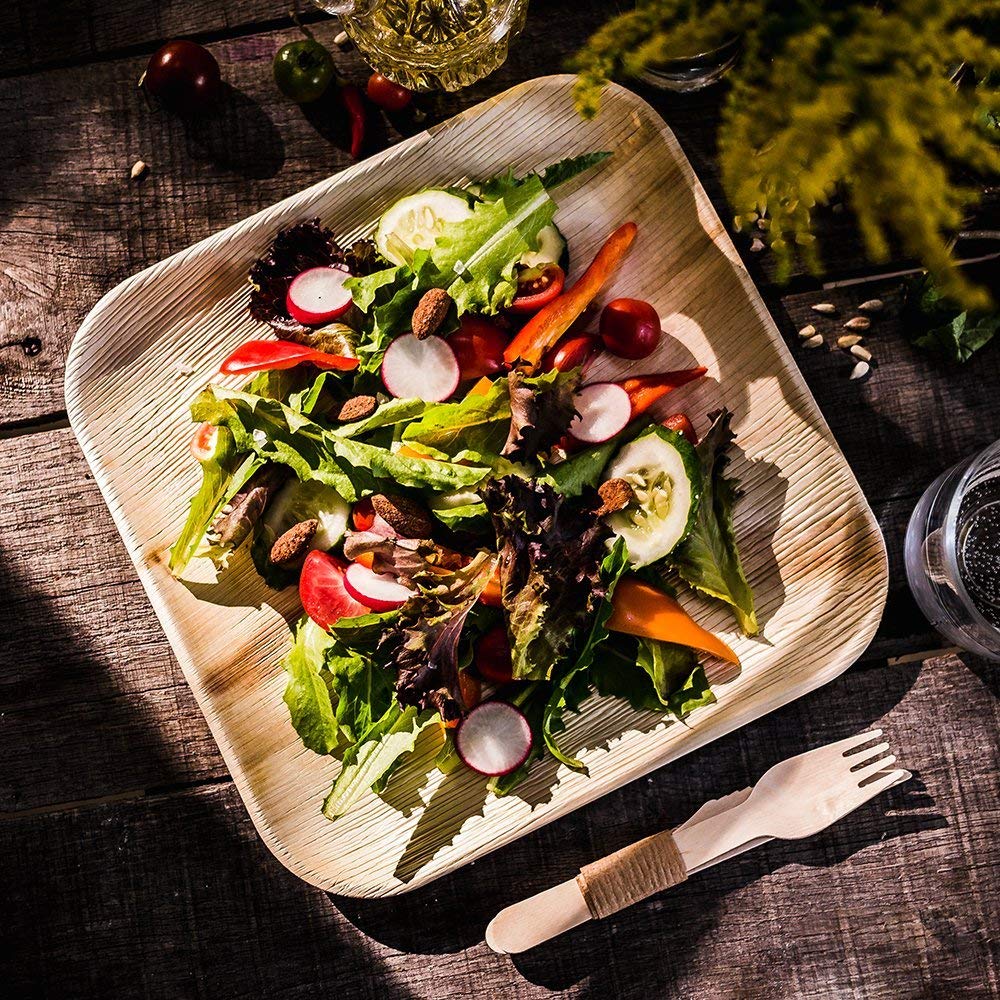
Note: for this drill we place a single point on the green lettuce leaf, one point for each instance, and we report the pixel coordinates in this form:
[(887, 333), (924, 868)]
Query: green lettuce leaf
[(585, 469), (573, 684), (708, 559), (363, 631), (370, 761), (276, 432), (307, 693), (363, 688)]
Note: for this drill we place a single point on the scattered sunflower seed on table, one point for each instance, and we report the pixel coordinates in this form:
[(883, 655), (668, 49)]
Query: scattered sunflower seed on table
[(807, 331), (862, 353), (826, 308), (860, 370), (858, 323), (815, 341), (872, 306), (848, 340)]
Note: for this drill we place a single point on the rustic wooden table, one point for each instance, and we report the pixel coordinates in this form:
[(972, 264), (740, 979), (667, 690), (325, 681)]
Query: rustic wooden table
[(130, 867)]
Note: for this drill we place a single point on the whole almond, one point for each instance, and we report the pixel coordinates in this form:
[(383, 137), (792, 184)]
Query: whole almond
[(430, 313), (406, 517), (294, 543), (355, 408)]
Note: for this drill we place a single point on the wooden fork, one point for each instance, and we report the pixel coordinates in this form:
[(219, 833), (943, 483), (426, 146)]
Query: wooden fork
[(794, 799)]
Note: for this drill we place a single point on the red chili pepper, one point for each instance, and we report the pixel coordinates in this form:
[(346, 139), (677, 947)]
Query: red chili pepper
[(645, 390), (681, 423), (268, 355), (354, 105)]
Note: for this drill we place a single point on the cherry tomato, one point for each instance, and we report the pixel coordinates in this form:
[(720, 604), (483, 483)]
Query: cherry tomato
[(321, 588), (478, 345), (493, 655), (681, 423), (363, 515), (303, 70), (537, 287), (630, 328), (387, 95), (571, 352), (184, 76), (204, 441)]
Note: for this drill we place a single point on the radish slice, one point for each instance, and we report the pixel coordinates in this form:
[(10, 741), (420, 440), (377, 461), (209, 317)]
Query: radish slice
[(420, 369), (380, 592), (494, 738), (318, 295), (604, 409)]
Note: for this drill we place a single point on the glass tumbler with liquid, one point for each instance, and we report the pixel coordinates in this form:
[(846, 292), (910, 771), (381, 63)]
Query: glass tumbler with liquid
[(953, 553), (431, 44)]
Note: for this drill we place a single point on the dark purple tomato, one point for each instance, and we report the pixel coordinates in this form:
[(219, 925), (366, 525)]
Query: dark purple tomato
[(184, 77), (630, 328)]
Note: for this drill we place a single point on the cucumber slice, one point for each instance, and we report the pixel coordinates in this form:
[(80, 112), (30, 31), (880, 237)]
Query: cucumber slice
[(663, 469), (551, 249), (300, 501), (415, 222)]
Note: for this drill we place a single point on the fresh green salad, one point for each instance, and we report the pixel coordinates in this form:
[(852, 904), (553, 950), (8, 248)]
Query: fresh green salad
[(480, 535)]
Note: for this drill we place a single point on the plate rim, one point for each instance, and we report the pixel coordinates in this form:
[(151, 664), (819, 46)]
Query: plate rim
[(79, 422)]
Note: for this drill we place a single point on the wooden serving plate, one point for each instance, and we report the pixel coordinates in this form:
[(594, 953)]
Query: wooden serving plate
[(811, 546)]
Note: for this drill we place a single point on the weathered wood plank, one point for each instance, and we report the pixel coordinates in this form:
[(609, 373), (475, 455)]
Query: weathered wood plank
[(93, 701), (175, 896)]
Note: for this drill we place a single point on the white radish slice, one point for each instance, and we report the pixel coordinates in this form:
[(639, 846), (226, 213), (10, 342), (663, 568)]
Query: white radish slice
[(318, 295), (494, 738), (604, 409), (380, 592), (420, 369)]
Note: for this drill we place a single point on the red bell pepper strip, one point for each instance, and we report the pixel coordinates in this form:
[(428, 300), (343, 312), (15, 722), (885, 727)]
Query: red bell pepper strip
[(353, 103), (548, 324), (268, 355), (645, 390), (639, 608), (681, 423)]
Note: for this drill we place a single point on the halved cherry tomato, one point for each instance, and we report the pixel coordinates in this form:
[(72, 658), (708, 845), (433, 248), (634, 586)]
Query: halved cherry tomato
[(537, 287), (363, 515), (204, 442), (270, 355), (681, 423), (571, 352), (478, 345), (493, 656), (321, 588)]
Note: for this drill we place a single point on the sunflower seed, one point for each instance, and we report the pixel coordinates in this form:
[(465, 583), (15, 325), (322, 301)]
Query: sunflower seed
[(872, 306), (756, 246), (858, 323), (848, 340), (826, 308), (807, 331), (816, 341), (342, 40), (139, 168), (862, 353), (860, 370)]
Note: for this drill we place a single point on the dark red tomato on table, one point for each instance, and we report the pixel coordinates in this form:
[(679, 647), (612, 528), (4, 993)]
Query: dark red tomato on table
[(493, 656), (478, 345), (537, 287), (184, 76), (630, 328), (387, 95), (324, 597), (571, 352)]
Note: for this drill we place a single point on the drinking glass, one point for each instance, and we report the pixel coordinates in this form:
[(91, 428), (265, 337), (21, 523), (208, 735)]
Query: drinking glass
[(953, 553), (431, 44)]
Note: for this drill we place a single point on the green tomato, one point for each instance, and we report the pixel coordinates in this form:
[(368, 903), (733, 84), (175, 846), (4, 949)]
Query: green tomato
[(303, 70)]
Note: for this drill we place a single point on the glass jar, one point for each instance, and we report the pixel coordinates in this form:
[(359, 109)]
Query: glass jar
[(431, 44), (952, 553)]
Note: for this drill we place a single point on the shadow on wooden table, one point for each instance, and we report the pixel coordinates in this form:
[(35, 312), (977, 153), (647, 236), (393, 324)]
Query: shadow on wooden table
[(451, 914)]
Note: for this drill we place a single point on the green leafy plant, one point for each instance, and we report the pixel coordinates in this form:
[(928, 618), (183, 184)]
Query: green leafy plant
[(835, 99)]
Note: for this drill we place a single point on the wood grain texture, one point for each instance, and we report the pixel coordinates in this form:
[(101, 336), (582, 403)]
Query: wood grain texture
[(810, 544), (175, 897)]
